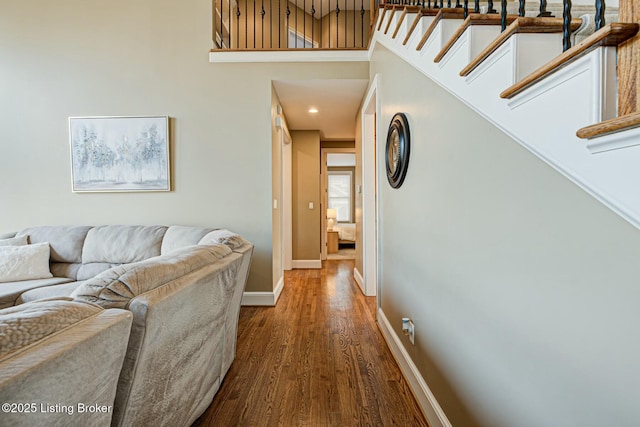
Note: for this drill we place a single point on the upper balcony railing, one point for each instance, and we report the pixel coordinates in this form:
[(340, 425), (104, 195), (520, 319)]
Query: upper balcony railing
[(295, 24)]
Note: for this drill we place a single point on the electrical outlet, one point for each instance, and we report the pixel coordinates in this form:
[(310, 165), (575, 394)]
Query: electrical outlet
[(408, 329)]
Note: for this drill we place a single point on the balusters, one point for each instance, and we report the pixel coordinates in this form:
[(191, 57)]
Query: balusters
[(346, 13), (321, 43), (503, 14), (337, 24), (288, 13), (600, 8), (449, 3), (521, 7), (566, 23), (543, 10), (238, 25), (476, 6), (465, 8), (272, 26), (458, 5), (354, 23), (221, 26), (490, 8), (262, 13), (362, 22)]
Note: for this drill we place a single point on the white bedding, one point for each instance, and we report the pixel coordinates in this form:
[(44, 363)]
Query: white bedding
[(346, 231)]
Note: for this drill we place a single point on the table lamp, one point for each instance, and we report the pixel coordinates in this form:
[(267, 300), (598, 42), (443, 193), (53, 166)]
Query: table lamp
[(332, 214)]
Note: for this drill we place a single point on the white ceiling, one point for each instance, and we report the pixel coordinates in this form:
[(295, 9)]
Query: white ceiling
[(337, 102)]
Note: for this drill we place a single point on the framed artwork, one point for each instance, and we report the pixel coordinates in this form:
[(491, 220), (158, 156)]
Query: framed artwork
[(397, 150), (120, 153)]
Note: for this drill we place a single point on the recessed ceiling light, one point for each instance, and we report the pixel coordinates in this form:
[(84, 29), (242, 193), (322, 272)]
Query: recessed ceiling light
[(313, 110)]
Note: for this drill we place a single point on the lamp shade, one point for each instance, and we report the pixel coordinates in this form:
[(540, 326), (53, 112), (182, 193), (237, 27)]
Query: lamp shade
[(332, 214)]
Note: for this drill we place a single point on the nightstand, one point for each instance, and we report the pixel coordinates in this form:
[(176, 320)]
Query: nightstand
[(332, 242)]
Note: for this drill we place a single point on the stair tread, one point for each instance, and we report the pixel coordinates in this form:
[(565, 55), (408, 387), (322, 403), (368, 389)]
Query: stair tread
[(519, 25), (414, 24), (473, 19), (608, 127), (446, 13), (609, 35)]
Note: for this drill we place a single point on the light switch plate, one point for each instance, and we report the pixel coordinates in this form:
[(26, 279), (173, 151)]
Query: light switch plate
[(310, 205)]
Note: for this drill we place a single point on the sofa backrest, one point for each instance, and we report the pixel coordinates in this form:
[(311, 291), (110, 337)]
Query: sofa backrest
[(116, 287), (83, 252)]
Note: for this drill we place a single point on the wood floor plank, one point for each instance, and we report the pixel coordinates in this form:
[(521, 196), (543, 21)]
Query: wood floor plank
[(316, 359)]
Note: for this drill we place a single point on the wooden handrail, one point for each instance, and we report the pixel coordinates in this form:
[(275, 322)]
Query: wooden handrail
[(607, 127), (610, 35), (520, 25)]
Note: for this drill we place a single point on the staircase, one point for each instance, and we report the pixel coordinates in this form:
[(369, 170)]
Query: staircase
[(562, 104)]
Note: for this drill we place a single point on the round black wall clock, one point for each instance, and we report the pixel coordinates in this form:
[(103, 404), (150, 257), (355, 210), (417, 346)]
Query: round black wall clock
[(397, 150)]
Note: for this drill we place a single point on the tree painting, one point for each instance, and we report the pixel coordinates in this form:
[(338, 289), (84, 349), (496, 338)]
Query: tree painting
[(119, 153)]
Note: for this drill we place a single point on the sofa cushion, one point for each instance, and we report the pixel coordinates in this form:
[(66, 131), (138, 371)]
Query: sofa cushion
[(47, 292), (115, 287), (24, 262), (121, 244), (65, 241), (178, 236), (223, 237), (25, 324), (10, 291), (14, 241)]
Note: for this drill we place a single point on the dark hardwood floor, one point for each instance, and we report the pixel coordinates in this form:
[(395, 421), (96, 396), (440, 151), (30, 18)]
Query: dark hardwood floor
[(316, 359)]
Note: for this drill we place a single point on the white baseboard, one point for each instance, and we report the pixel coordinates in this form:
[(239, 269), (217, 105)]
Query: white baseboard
[(359, 279), (306, 263), (278, 290), (426, 400), (263, 298)]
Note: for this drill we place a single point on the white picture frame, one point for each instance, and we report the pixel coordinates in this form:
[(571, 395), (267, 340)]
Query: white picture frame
[(120, 153)]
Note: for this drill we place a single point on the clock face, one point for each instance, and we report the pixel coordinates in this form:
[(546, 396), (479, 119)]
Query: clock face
[(397, 150), (394, 151)]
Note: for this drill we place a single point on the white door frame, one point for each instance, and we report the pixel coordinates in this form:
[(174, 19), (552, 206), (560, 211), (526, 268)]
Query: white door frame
[(286, 226), (370, 113), (323, 188)]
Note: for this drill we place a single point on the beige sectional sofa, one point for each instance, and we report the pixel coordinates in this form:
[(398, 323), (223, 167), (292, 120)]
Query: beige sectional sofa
[(180, 287)]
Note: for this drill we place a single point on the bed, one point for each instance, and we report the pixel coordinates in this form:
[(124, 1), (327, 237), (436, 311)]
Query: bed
[(346, 233)]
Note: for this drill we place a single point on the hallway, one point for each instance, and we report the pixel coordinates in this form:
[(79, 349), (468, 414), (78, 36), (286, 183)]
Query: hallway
[(316, 359)]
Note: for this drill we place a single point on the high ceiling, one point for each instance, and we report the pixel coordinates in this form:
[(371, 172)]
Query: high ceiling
[(337, 102)]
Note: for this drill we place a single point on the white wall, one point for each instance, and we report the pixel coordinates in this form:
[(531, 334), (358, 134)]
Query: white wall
[(79, 58), (522, 287)]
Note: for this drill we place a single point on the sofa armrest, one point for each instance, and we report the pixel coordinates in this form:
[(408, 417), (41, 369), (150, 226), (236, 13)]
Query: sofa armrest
[(75, 363), (173, 363)]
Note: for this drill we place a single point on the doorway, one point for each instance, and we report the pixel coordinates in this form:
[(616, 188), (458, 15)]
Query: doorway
[(338, 188)]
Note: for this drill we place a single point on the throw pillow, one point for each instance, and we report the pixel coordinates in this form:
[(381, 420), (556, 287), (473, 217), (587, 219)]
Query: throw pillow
[(14, 241), (24, 262)]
